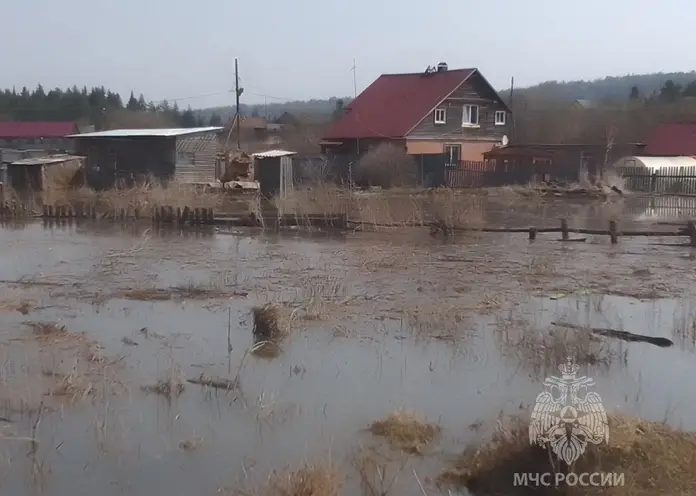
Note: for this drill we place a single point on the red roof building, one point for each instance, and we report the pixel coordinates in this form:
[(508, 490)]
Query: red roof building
[(392, 105), (36, 130), (672, 140), (438, 111)]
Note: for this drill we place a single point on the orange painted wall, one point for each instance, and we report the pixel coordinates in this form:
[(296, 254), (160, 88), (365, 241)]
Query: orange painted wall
[(471, 150)]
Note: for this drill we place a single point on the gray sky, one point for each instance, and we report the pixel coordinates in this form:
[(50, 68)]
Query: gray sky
[(305, 48)]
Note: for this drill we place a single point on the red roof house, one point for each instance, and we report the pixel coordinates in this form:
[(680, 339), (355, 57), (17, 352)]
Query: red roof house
[(36, 130), (672, 140), (440, 110)]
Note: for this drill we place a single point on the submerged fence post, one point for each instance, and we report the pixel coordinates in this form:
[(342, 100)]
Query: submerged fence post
[(613, 232), (692, 232), (564, 229)]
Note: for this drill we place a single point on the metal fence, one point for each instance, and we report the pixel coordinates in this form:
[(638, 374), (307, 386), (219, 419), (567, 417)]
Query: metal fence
[(675, 180)]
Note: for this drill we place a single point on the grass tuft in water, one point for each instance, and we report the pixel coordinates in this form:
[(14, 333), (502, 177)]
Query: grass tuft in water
[(406, 431)]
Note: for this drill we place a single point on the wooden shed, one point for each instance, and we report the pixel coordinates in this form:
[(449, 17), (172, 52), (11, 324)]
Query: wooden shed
[(32, 174), (187, 155), (273, 171)]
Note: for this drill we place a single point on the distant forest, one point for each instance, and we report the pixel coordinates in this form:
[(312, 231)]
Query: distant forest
[(609, 89), (620, 108), (317, 108), (99, 106)]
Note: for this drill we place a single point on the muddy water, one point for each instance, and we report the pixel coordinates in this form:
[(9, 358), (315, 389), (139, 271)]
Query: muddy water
[(338, 374)]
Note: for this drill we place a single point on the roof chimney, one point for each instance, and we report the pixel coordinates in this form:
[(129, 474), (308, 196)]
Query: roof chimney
[(442, 67)]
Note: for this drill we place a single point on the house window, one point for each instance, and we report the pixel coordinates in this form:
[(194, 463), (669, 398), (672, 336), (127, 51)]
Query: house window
[(500, 117), (440, 116), (470, 118), (453, 155)]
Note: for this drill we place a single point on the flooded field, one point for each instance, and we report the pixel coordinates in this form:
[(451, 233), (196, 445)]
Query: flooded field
[(128, 362)]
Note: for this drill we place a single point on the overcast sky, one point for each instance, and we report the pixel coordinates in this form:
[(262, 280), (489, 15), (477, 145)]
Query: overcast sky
[(303, 49)]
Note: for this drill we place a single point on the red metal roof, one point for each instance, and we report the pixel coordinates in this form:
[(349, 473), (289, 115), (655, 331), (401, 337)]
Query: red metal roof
[(36, 129), (392, 105), (672, 140)]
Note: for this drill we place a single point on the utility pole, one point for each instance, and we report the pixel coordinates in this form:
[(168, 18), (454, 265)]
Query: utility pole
[(237, 92), (512, 117), (355, 85)]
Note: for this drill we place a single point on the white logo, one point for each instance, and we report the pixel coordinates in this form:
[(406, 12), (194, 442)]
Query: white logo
[(564, 421)]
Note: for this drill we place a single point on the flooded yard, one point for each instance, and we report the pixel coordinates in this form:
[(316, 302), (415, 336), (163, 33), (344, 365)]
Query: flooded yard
[(104, 328)]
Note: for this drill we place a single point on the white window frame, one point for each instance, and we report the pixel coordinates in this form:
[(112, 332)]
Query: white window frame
[(500, 117), (442, 113), (466, 116)]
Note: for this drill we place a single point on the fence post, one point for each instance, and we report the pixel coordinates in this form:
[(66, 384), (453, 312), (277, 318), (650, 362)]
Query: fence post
[(653, 182), (613, 232)]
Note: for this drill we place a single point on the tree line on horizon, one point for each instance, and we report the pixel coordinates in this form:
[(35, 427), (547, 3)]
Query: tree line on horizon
[(626, 120), (97, 106), (539, 117)]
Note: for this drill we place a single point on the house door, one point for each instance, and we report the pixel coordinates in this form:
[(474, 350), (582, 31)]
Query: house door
[(453, 156), (286, 183)]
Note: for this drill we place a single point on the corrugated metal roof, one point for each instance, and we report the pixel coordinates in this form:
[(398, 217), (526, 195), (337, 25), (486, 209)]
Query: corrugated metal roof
[(392, 105), (51, 159), (36, 129), (164, 133), (656, 163), (672, 140), (273, 154)]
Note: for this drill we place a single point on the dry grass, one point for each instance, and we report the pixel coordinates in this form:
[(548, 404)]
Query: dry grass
[(269, 323), (541, 351), (23, 307), (386, 166), (436, 321), (178, 292), (144, 197), (73, 386), (60, 181), (378, 471), (451, 210), (654, 458), (321, 199), (169, 388), (388, 210), (310, 480), (47, 330), (406, 431)]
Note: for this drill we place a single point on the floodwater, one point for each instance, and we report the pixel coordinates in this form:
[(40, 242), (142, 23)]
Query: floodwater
[(460, 332)]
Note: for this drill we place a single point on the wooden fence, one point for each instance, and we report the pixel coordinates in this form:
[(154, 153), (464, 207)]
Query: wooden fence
[(205, 216), (613, 232), (466, 174), (674, 180), (159, 215), (10, 210)]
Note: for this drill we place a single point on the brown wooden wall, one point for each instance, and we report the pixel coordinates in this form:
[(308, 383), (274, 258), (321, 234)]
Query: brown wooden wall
[(474, 91), (108, 159)]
